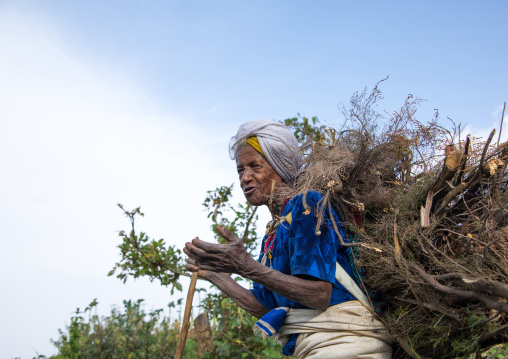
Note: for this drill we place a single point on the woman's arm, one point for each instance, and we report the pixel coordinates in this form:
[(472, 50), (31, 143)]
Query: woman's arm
[(233, 258), (241, 296), (313, 293)]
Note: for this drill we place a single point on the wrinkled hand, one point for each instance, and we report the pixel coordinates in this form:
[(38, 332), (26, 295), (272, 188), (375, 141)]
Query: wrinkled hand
[(227, 258), (191, 265)]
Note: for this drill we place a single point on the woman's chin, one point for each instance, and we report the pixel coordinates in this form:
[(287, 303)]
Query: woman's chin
[(255, 200)]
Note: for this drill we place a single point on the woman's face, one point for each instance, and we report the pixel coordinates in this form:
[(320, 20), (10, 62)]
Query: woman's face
[(256, 176)]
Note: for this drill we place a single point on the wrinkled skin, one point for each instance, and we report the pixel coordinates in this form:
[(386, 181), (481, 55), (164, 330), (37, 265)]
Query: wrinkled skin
[(213, 261), (256, 176)]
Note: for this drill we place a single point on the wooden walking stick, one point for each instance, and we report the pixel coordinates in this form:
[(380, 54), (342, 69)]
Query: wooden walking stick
[(186, 316)]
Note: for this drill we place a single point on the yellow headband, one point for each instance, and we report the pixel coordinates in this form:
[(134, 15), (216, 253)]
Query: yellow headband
[(253, 141)]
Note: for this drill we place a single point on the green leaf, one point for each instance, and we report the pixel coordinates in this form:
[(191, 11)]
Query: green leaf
[(178, 286)]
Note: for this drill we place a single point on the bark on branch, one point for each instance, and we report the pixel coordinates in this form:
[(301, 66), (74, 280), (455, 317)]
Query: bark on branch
[(492, 338), (490, 287), (468, 294)]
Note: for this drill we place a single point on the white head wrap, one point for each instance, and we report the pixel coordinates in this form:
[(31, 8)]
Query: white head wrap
[(278, 143)]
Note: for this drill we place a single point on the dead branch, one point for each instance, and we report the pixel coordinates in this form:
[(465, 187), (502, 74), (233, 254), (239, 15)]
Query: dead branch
[(492, 338), (490, 287), (249, 221), (464, 160), (501, 126), (484, 153), (469, 294), (435, 308)]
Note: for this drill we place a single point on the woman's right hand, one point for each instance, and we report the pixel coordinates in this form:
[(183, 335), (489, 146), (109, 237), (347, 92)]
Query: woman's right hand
[(193, 267)]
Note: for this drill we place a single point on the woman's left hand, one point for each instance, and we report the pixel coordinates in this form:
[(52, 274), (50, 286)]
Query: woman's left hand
[(229, 258)]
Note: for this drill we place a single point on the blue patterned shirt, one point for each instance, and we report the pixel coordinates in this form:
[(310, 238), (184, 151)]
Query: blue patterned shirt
[(298, 251)]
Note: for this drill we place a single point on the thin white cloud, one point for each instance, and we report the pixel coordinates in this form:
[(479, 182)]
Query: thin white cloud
[(487, 127), (216, 108), (74, 141)]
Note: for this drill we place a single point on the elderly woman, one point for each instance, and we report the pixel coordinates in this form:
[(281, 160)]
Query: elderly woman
[(300, 278)]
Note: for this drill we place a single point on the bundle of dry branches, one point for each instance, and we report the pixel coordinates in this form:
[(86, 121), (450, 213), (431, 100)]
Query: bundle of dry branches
[(430, 211)]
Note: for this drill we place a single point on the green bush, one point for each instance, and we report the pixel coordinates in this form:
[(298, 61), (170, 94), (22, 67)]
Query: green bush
[(130, 333)]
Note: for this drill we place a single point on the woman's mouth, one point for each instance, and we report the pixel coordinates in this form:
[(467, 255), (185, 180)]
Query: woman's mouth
[(249, 190)]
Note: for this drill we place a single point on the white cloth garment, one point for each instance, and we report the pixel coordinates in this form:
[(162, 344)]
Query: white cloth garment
[(278, 144), (343, 331)]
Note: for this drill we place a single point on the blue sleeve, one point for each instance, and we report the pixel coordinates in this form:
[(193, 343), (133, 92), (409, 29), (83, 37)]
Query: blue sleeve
[(264, 296), (310, 254)]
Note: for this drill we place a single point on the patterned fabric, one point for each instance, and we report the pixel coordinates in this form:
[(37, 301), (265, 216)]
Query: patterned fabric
[(253, 141), (298, 251), (271, 322)]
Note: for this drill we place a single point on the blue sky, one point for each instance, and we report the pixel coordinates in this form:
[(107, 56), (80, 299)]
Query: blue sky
[(272, 60), (127, 101)]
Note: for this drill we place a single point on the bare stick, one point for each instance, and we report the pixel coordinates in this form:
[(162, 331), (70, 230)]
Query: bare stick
[(186, 316), (434, 307), (464, 159), (398, 254), (489, 339), (481, 284), (469, 294), (304, 199), (324, 203), (501, 127), (249, 221), (485, 149), (341, 240)]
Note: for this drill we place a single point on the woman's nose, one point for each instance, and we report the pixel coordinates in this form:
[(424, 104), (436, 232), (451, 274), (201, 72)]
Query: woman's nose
[(246, 176)]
